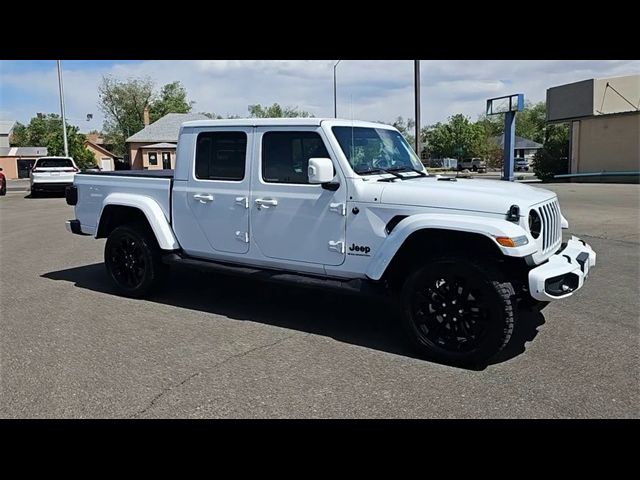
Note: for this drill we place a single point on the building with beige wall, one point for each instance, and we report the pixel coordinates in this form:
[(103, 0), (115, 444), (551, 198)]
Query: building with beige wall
[(604, 115), (154, 147), (16, 162)]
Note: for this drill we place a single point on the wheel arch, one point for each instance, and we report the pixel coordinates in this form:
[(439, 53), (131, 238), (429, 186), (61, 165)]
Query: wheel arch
[(119, 209), (425, 234)]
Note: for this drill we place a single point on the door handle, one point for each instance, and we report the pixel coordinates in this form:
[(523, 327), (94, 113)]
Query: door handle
[(203, 198), (266, 202)]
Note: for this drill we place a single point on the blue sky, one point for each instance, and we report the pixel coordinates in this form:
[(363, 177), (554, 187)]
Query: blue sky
[(367, 90)]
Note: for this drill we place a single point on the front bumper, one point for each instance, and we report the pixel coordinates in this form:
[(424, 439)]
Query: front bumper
[(73, 226), (564, 273)]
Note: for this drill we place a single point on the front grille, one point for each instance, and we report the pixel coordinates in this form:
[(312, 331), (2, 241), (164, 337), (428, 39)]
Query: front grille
[(551, 225)]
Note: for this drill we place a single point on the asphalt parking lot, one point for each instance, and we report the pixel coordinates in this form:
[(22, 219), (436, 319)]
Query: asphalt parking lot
[(209, 346)]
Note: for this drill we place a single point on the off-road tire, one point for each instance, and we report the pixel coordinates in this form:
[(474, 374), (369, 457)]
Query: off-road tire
[(133, 261), (489, 293)]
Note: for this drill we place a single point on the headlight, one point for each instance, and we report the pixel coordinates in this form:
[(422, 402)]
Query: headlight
[(535, 224), (512, 242)]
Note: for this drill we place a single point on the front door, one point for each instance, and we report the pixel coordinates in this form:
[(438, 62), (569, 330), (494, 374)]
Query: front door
[(290, 218), (218, 190), (166, 160)]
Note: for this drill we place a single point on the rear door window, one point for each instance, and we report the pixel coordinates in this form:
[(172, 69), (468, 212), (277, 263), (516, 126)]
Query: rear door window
[(221, 155), (54, 163)]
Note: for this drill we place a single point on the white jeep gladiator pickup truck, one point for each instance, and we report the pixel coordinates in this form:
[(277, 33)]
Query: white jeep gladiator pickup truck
[(339, 204)]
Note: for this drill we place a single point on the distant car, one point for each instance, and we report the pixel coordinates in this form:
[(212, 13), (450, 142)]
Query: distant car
[(521, 164), (3, 183), (475, 164), (52, 174)]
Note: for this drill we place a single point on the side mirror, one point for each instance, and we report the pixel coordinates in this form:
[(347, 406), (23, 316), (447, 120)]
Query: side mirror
[(320, 170)]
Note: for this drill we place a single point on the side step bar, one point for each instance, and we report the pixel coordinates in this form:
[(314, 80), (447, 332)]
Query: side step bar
[(354, 286)]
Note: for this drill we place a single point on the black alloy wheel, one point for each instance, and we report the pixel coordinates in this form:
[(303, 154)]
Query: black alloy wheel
[(457, 311), (132, 259), (127, 261)]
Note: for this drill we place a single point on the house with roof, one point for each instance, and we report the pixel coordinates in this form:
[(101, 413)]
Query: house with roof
[(16, 162), (6, 127), (523, 148), (105, 159), (154, 147)]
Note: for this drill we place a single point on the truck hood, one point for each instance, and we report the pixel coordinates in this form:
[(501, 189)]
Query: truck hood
[(479, 195)]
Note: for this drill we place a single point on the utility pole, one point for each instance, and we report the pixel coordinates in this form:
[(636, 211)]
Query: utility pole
[(64, 121), (416, 80), (335, 101)]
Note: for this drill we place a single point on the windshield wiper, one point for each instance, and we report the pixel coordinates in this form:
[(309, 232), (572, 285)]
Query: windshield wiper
[(383, 170), (410, 169)]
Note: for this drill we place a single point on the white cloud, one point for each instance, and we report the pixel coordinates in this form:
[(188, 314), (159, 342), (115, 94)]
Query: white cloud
[(370, 90)]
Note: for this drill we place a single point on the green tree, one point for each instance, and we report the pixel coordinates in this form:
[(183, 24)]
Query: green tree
[(553, 158), (276, 111), (46, 131), (172, 99), (458, 138), (493, 125), (531, 122), (123, 104)]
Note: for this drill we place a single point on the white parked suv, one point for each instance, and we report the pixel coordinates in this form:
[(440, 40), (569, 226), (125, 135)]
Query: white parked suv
[(52, 174), (345, 205)]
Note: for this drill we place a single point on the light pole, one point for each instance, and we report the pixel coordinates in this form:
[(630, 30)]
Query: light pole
[(64, 121), (416, 68), (335, 101)]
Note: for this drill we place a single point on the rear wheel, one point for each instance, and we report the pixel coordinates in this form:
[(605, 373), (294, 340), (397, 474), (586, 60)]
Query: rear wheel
[(457, 311), (132, 258), (3, 188)]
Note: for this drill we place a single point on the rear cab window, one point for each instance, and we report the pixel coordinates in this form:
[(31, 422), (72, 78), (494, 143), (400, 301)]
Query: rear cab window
[(221, 156)]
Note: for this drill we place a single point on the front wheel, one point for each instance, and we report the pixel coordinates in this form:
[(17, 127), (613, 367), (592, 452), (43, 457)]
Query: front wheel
[(457, 311), (132, 258)]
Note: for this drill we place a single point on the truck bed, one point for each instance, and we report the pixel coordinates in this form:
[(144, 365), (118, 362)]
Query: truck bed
[(95, 189), (134, 173)]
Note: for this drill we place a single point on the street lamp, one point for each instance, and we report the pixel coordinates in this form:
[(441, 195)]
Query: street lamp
[(64, 122), (335, 103)]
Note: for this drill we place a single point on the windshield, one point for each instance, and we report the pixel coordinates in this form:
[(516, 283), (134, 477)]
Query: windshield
[(371, 149)]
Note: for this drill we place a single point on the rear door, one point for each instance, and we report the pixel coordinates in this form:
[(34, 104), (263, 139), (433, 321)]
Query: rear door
[(217, 191)]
